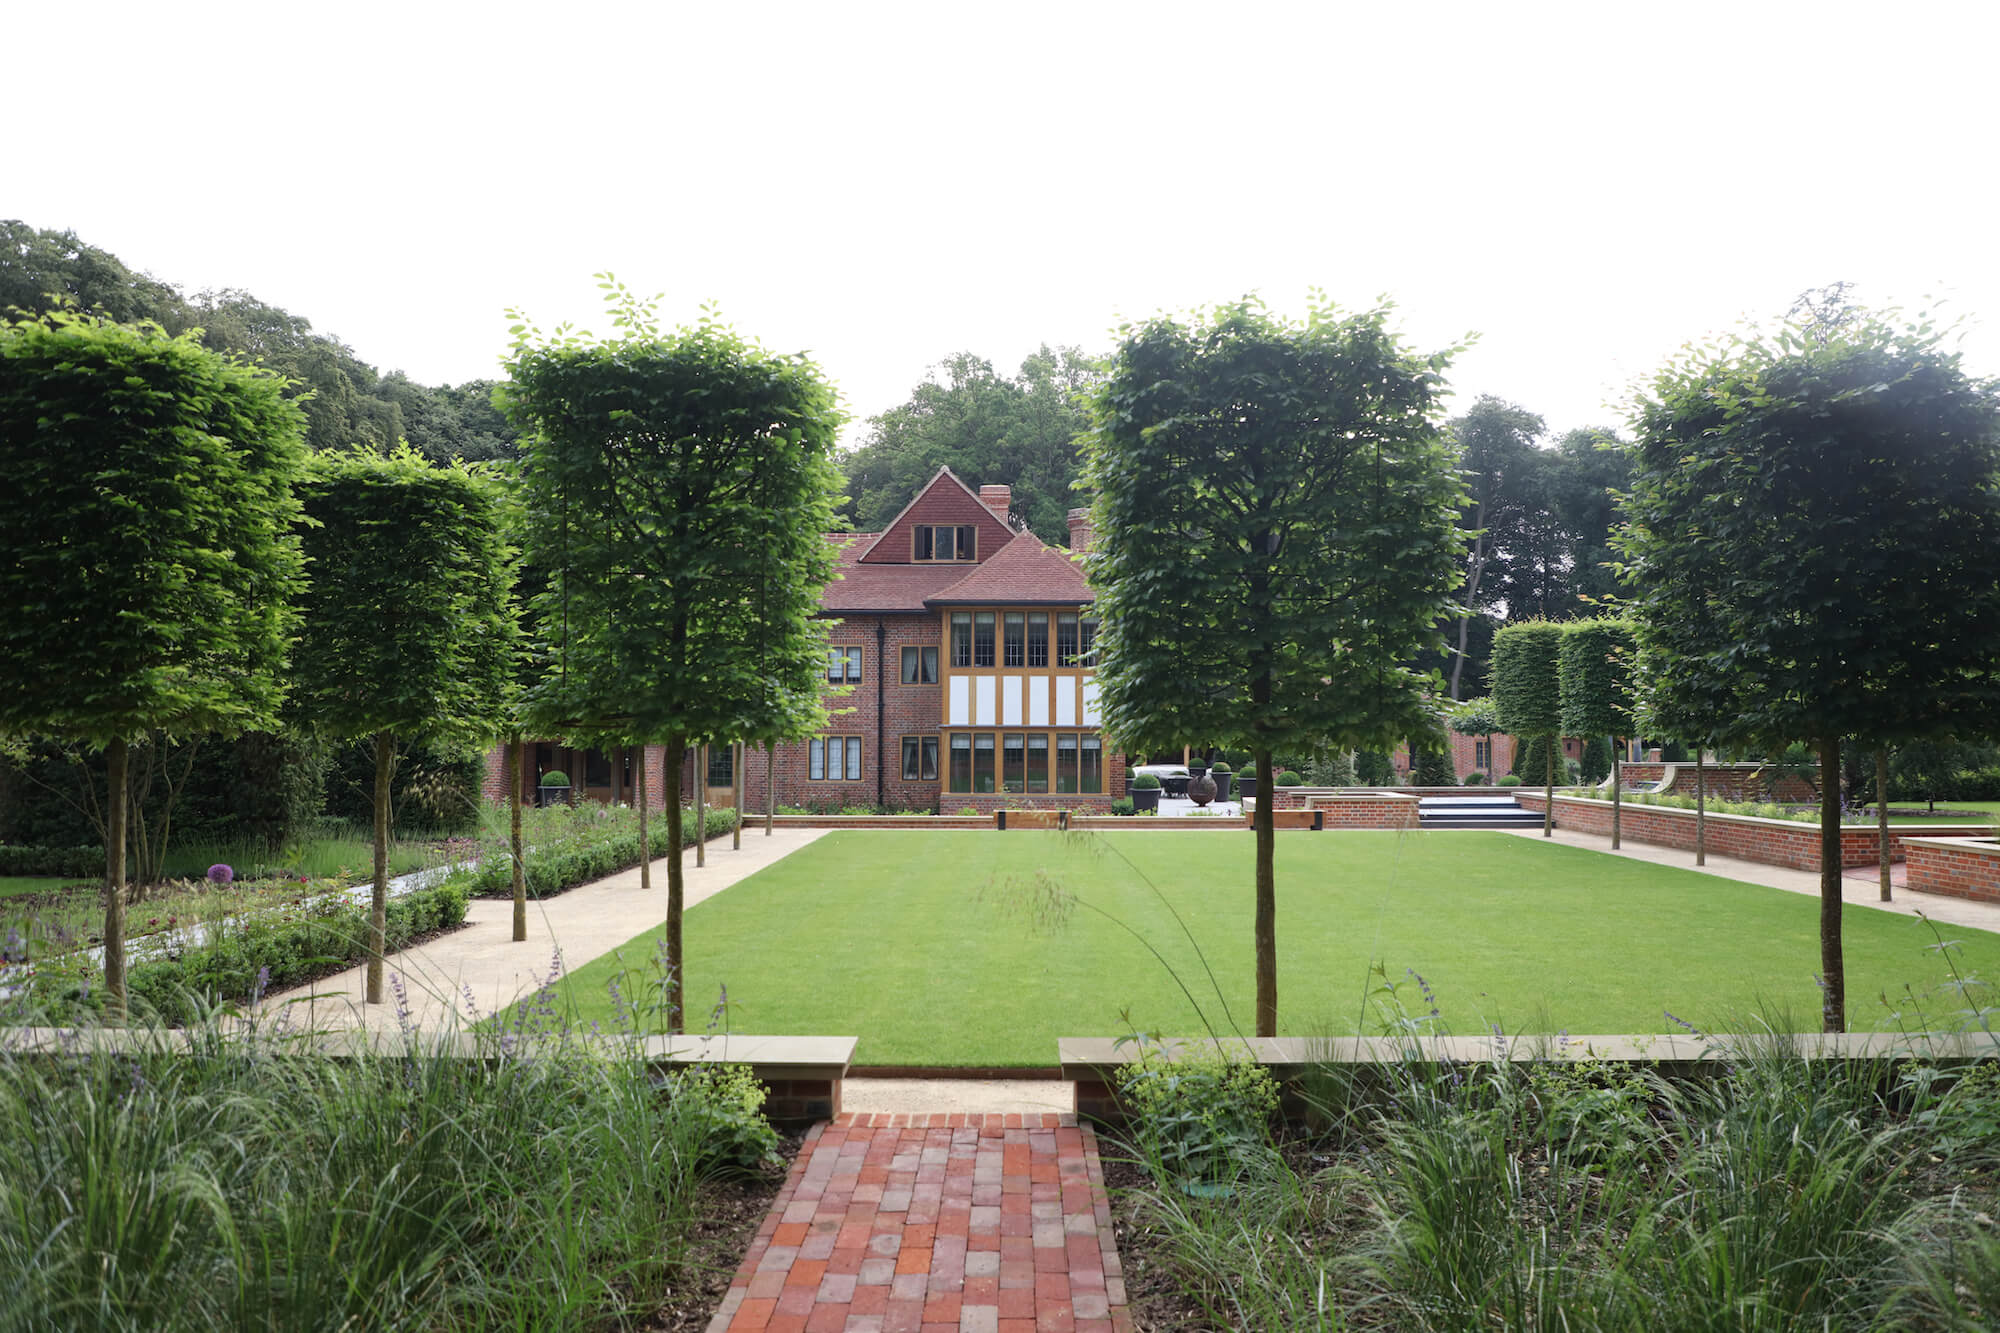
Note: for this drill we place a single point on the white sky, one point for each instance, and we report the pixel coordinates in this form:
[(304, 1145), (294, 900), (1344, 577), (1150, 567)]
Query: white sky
[(1587, 186)]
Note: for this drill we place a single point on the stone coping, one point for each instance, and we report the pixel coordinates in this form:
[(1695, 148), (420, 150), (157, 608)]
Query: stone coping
[(1090, 1057), (1901, 832), (1978, 846), (769, 1056)]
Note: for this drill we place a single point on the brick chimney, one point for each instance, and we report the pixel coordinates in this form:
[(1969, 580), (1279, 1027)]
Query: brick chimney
[(997, 498), (1080, 533)]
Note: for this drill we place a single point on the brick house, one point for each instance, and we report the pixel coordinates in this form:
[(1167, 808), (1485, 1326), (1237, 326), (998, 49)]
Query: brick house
[(959, 674)]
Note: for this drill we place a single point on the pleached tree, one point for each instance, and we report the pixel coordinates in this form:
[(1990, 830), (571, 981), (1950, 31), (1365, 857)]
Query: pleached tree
[(677, 487), (407, 629), (1275, 502), (147, 562), (1595, 667), (1527, 695)]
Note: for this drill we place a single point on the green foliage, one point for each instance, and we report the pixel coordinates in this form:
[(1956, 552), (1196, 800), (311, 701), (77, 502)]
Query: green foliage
[(1304, 462), (242, 1178), (1813, 516), (1289, 779), (1475, 717), (1145, 782), (1596, 764), (1944, 771), (1372, 768), (1122, 806), (1475, 779), (724, 1107), (1527, 680), (438, 787), (407, 613), (1333, 769), (571, 846), (81, 864), (555, 777), (1220, 768), (1595, 669), (1022, 432), (344, 400), (1432, 768), (676, 488), (1198, 1114), (1508, 780), (144, 532)]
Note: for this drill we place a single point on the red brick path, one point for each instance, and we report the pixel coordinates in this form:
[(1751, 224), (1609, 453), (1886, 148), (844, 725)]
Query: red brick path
[(922, 1224)]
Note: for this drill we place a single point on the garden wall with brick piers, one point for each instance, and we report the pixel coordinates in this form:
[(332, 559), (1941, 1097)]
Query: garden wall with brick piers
[(1955, 867), (1771, 842)]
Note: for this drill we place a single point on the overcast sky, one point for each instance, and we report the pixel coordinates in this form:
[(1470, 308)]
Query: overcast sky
[(1586, 187)]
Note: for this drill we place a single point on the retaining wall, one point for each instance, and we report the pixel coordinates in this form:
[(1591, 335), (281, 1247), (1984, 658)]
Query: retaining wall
[(1955, 867), (1771, 842)]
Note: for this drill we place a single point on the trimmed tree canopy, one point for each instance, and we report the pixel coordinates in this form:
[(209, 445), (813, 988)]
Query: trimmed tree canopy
[(147, 565), (1276, 504), (1527, 678), (1596, 669), (406, 626), (677, 489)]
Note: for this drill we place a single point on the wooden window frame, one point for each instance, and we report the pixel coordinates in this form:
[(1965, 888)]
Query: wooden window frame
[(926, 751), (850, 747), (843, 665), (915, 652), (964, 546)]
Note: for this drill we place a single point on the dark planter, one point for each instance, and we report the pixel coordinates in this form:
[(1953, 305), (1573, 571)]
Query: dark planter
[(1246, 784), (1201, 790), (1197, 770), (1145, 798), (548, 796), (1175, 787), (1222, 783)]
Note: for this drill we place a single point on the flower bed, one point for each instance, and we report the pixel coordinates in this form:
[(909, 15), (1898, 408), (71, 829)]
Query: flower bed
[(1774, 842)]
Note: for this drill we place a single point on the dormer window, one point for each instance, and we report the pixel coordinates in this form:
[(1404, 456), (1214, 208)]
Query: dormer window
[(941, 542)]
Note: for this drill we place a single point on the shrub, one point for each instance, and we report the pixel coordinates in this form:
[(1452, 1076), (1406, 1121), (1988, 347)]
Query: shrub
[(1146, 782), (1475, 779), (1508, 780), (79, 863), (1220, 768), (1432, 768), (723, 1106), (1289, 779), (1373, 769), (555, 778), (1201, 1115), (1122, 806), (1333, 770), (1596, 764)]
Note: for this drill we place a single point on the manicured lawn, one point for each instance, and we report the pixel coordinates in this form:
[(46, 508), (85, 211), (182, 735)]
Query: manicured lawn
[(949, 948), (16, 886)]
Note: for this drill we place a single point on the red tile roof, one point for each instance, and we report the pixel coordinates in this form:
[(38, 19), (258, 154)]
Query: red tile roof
[(1023, 572)]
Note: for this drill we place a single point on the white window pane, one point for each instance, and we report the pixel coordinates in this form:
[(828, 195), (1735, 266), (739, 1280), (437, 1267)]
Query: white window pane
[(853, 758), (816, 760)]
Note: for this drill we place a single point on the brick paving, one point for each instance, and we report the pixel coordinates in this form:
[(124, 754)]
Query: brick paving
[(929, 1223)]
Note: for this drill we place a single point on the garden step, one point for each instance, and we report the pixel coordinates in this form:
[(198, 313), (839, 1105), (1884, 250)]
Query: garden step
[(1476, 812)]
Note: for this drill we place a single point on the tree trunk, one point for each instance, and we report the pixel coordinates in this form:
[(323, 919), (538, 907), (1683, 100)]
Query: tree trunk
[(1616, 807), (514, 849), (701, 805), (676, 746), (737, 750), (116, 760), (1700, 810), (1882, 816), (1833, 969), (378, 898), (645, 829), (1266, 927), (1549, 790)]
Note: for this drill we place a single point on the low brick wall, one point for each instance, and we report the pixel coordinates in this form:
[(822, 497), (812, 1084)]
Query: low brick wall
[(1955, 867), (1771, 842), (1728, 782), (1092, 1063)]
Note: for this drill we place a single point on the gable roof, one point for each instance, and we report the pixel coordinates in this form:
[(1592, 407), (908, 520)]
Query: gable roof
[(944, 499), (1022, 573)]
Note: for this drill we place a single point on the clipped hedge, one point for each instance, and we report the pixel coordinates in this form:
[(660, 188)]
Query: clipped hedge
[(176, 990), (83, 864), (587, 853)]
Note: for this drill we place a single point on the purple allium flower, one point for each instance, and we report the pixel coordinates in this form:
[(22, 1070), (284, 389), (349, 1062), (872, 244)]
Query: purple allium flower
[(221, 874)]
